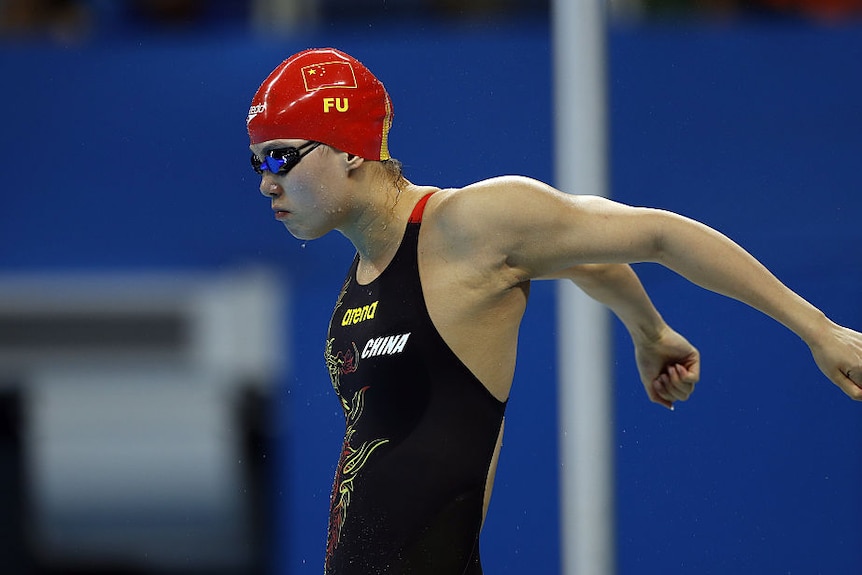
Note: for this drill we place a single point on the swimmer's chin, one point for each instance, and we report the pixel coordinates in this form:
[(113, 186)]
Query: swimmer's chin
[(305, 235)]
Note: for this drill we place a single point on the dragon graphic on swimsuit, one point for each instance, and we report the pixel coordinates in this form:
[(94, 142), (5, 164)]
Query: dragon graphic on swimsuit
[(352, 458)]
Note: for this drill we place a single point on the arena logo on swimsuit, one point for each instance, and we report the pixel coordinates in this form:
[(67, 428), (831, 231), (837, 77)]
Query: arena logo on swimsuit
[(359, 314), (387, 345)]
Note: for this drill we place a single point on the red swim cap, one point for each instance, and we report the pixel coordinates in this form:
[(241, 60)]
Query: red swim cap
[(327, 96)]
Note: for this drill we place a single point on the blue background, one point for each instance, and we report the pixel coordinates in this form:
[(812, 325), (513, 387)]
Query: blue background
[(134, 157)]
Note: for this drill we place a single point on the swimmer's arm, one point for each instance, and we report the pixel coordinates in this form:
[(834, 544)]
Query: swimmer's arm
[(553, 231), (668, 364), (619, 288), (539, 231)]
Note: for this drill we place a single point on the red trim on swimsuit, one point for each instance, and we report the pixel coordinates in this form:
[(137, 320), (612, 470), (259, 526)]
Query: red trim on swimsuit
[(416, 216)]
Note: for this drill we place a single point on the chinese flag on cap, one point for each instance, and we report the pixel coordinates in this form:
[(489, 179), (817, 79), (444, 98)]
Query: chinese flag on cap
[(328, 75)]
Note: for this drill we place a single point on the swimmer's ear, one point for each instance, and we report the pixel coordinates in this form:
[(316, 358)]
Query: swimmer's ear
[(353, 161)]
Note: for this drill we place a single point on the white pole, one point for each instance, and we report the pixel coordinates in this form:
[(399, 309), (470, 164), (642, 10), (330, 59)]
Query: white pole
[(585, 395)]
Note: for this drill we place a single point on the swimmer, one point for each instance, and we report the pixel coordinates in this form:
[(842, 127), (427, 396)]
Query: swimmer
[(423, 337)]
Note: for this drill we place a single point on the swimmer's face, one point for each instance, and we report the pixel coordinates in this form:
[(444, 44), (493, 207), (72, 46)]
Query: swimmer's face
[(301, 181)]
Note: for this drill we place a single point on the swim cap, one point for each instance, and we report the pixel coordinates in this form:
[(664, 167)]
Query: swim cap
[(327, 96)]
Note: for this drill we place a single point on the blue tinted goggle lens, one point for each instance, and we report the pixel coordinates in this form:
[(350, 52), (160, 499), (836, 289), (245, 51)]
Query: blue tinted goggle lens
[(281, 160)]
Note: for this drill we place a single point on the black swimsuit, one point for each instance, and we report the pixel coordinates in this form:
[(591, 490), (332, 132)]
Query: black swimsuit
[(420, 434)]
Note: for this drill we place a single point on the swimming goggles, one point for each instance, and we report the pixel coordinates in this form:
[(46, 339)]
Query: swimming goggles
[(281, 160)]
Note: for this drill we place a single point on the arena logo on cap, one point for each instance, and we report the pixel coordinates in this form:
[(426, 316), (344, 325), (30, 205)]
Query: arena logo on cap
[(328, 75)]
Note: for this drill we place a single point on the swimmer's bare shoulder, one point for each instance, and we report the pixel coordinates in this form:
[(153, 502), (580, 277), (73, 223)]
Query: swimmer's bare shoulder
[(491, 221)]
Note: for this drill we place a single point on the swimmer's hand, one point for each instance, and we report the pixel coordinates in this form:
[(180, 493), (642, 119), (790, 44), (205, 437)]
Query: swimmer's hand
[(669, 366), (837, 351)]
